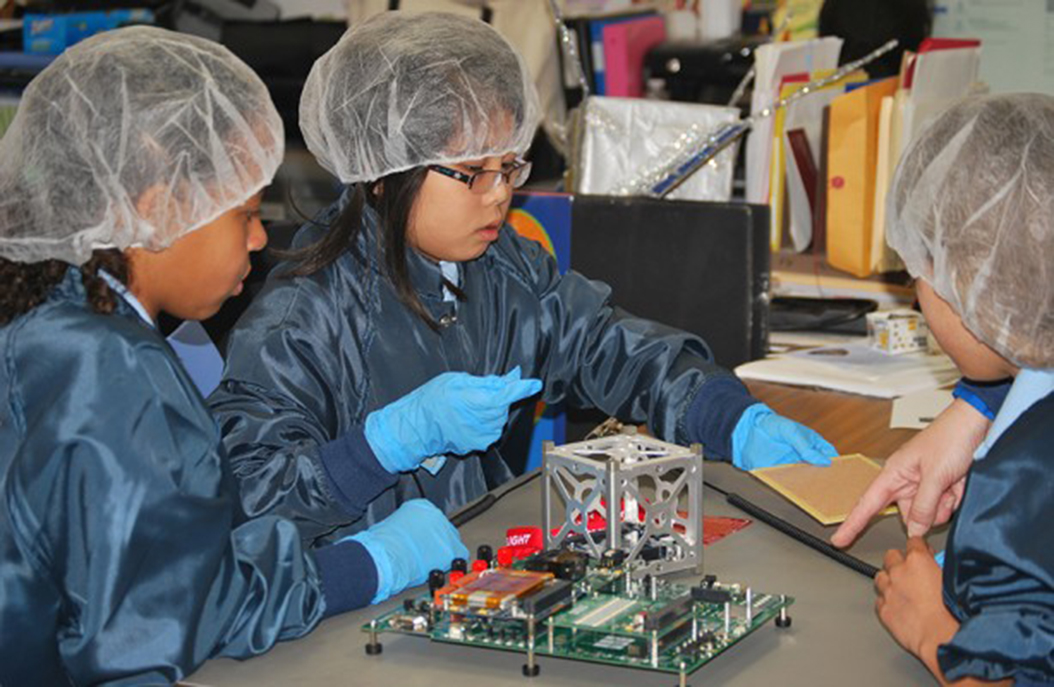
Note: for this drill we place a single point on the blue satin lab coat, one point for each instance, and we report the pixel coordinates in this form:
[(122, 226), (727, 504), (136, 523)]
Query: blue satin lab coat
[(999, 566), (312, 356), (124, 558)]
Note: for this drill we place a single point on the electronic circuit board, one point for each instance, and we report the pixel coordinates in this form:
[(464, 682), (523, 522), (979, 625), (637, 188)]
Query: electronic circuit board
[(564, 605)]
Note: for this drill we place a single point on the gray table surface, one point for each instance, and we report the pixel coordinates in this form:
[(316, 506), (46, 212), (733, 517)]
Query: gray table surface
[(835, 638)]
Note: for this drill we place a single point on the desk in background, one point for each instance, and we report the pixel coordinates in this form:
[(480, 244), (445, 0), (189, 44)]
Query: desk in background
[(835, 638)]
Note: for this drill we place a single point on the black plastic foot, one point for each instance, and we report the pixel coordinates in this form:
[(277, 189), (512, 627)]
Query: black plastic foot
[(783, 622), (374, 649), (531, 671)]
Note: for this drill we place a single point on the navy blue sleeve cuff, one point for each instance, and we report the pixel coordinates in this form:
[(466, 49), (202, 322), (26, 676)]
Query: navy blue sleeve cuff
[(986, 397), (354, 471), (348, 575), (714, 412)]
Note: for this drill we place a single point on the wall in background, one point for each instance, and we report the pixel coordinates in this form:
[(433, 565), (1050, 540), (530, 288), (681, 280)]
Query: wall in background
[(319, 9), (1017, 37)]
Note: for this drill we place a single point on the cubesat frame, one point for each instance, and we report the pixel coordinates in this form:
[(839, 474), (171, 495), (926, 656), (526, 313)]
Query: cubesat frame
[(626, 493), (620, 512)]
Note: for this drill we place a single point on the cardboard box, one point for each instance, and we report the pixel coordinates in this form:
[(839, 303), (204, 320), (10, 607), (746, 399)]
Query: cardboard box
[(897, 331)]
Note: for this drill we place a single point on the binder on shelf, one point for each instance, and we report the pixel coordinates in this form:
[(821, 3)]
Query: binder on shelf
[(596, 46), (626, 43)]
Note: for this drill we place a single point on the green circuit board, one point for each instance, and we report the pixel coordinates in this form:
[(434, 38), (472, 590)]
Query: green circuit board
[(603, 616)]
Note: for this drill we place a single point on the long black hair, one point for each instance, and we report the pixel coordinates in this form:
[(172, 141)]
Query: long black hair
[(26, 285), (393, 198)]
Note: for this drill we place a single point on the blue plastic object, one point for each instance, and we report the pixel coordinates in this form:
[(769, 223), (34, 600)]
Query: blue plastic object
[(762, 439), (50, 34), (405, 546), (454, 413)]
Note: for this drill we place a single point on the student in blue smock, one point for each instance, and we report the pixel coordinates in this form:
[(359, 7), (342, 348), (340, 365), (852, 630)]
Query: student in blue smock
[(415, 319), (130, 184), (971, 212)]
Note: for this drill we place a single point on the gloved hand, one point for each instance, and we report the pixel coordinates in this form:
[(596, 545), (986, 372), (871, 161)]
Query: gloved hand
[(762, 439), (408, 544), (453, 413)]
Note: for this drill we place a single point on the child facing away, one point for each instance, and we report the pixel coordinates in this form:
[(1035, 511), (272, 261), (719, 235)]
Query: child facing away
[(972, 214), (415, 319), (130, 184)]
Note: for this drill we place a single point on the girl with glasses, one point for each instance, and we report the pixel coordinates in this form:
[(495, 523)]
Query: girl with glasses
[(413, 322)]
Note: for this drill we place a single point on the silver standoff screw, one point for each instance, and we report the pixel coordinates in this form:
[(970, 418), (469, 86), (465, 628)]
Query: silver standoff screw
[(783, 620), (373, 647), (530, 669)]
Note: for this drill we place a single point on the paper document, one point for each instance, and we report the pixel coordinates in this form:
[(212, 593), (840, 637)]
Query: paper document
[(855, 368), (773, 61), (918, 410)]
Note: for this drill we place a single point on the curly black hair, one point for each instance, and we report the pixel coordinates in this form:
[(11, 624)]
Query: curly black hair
[(26, 285)]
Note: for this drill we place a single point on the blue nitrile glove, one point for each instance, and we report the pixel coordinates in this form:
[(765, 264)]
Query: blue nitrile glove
[(762, 439), (453, 413), (414, 540)]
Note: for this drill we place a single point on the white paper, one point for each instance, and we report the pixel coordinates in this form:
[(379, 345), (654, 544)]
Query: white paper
[(855, 368), (883, 177), (806, 114), (773, 61), (918, 410), (941, 78)]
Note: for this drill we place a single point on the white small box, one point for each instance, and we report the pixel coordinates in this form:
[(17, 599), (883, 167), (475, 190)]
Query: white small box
[(897, 331)]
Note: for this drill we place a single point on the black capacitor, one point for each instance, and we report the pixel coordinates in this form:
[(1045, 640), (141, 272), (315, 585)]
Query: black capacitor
[(485, 553), (459, 564), (436, 581)]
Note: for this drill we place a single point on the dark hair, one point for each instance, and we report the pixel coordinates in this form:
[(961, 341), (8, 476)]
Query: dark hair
[(866, 25), (26, 285), (393, 198)]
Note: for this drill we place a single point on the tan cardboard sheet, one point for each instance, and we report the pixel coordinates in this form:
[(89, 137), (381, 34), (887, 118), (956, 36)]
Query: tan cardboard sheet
[(827, 494)]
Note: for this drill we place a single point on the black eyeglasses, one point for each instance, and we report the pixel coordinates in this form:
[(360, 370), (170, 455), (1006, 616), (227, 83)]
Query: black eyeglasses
[(486, 180)]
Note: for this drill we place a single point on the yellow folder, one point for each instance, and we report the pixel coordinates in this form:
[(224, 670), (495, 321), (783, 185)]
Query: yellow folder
[(852, 159)]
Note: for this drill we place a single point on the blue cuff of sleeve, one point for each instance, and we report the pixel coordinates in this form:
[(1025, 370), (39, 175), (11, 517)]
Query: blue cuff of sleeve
[(987, 399), (382, 565), (354, 470), (714, 414), (348, 576)]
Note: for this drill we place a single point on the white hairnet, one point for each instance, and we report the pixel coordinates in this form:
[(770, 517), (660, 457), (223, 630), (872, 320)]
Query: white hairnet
[(404, 90), (134, 137), (971, 211)]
